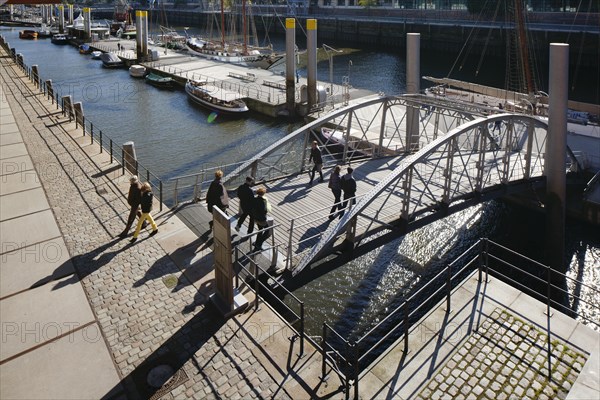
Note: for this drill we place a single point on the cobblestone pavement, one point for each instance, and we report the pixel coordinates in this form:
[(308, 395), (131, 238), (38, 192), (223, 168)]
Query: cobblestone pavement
[(143, 320), (506, 359)]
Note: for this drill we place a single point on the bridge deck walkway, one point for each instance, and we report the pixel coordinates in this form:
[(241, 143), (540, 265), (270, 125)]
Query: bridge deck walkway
[(310, 205)]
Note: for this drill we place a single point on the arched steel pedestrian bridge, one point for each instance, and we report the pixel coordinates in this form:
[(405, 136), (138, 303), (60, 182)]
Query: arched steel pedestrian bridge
[(416, 159)]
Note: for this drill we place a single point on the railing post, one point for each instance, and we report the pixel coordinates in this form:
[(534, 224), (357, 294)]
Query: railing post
[(301, 329), (288, 261), (548, 316), (256, 268), (406, 327), (480, 260), (101, 147), (160, 185), (196, 189), (176, 202), (91, 129), (487, 260), (448, 287), (137, 166), (111, 151), (254, 169), (122, 161), (324, 350), (147, 175), (356, 369)]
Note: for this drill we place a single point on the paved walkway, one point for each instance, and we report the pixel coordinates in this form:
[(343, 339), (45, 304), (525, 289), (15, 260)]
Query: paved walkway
[(86, 315), (118, 309)]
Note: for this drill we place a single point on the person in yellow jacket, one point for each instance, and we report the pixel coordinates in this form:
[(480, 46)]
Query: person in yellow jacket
[(146, 203)]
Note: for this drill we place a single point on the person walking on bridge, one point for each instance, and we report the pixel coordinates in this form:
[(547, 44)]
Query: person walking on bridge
[(349, 188), (217, 194), (261, 211), (317, 158), (246, 196), (335, 184)]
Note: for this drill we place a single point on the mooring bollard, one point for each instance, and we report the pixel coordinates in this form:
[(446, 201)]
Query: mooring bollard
[(129, 157)]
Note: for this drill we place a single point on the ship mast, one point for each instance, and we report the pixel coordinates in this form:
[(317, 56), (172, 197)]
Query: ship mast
[(524, 50), (222, 25), (244, 27)]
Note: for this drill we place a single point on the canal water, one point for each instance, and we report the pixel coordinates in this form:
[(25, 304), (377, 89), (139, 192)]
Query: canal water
[(173, 137)]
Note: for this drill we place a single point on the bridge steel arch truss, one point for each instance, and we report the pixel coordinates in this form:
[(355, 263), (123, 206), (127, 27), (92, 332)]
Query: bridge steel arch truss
[(377, 127), (477, 160), (459, 154)]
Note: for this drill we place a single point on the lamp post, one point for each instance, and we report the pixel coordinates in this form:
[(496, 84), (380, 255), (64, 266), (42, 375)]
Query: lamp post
[(330, 50)]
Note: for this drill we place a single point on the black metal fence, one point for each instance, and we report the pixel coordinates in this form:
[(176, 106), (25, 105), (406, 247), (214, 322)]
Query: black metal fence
[(348, 357), (71, 110)]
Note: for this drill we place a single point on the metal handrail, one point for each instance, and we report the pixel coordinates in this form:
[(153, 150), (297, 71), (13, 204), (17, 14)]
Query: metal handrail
[(298, 317), (484, 257), (55, 91)]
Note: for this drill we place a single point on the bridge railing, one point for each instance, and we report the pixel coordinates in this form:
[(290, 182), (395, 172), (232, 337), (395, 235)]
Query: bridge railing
[(247, 89), (274, 166), (248, 272), (348, 356)]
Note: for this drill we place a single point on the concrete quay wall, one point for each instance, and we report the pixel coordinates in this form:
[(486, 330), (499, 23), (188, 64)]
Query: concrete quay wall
[(441, 35)]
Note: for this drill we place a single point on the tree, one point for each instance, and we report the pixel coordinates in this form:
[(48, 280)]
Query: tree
[(368, 3)]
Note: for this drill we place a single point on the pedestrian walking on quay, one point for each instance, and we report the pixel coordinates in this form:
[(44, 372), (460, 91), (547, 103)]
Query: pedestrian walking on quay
[(349, 188), (335, 184), (317, 158), (261, 210), (134, 198), (217, 194), (146, 203), (246, 196)]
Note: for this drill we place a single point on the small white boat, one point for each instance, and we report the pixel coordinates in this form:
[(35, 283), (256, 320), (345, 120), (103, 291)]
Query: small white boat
[(215, 98), (111, 60), (96, 54), (137, 71)]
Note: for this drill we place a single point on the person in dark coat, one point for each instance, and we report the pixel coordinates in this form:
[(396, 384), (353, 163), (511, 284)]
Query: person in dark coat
[(317, 158), (217, 194), (146, 203), (335, 184), (349, 188), (261, 211), (133, 199), (246, 196)]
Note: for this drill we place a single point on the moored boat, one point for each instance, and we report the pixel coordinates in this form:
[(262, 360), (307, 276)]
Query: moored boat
[(85, 49), (137, 71), (163, 82), (28, 34), (60, 39), (215, 98), (96, 54), (111, 60), (232, 54)]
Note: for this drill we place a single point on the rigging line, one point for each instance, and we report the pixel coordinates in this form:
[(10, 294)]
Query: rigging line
[(282, 23), (583, 35), (487, 41), (468, 40), (533, 55), (574, 20)]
